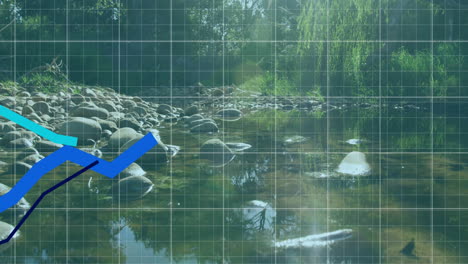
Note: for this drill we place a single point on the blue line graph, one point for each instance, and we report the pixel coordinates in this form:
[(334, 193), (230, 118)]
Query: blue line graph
[(67, 153), (36, 128), (43, 195)]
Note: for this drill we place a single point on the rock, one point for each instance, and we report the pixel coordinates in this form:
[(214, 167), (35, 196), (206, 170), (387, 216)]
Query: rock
[(201, 121), (5, 128), (5, 231), (19, 143), (172, 150), (164, 109), (8, 101), (46, 118), (82, 128), (288, 107), (91, 112), (193, 118), (217, 92), (47, 146), (153, 121), (34, 117), (238, 146), (139, 110), (122, 136), (107, 125), (39, 97), (294, 140), (286, 102), (11, 136), (19, 168), (42, 107), (77, 98), (27, 110), (89, 93), (132, 170), (129, 104), (106, 133), (157, 155), (308, 104), (32, 159), (22, 204), (18, 134), (109, 106), (26, 152), (216, 151), (92, 150), (24, 94), (354, 164), (132, 188), (191, 110), (3, 164), (205, 127), (229, 113), (129, 122)]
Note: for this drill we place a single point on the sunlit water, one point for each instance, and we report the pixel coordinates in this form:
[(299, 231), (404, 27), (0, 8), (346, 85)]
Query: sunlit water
[(285, 187)]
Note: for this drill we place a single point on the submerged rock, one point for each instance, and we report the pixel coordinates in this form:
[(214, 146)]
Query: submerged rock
[(193, 118), (122, 136), (205, 127), (216, 151), (318, 240), (238, 146), (132, 188), (232, 113), (172, 150), (157, 155), (132, 170), (354, 164)]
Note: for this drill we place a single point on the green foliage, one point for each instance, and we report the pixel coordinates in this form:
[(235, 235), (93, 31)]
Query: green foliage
[(44, 82), (425, 70), (326, 27), (267, 84), (313, 47)]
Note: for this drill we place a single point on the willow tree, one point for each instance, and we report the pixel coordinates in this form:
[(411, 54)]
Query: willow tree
[(350, 41), (334, 36)]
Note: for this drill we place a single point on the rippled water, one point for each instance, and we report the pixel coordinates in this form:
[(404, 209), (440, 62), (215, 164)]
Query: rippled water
[(284, 187)]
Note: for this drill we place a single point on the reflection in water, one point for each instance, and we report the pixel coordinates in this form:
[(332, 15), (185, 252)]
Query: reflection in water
[(318, 240), (258, 215)]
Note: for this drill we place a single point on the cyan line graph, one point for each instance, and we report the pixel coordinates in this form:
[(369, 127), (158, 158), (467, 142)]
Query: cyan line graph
[(36, 128), (67, 153), (43, 195)]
